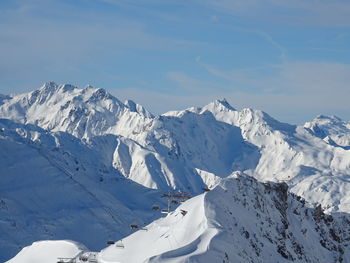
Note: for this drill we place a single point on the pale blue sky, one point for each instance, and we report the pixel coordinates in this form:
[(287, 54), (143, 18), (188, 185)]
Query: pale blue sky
[(288, 58)]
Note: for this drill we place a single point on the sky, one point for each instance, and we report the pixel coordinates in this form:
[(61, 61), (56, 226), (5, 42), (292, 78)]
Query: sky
[(288, 58)]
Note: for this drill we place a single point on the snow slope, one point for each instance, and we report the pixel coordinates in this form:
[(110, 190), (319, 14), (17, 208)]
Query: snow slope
[(241, 220), (55, 187), (162, 235), (47, 252)]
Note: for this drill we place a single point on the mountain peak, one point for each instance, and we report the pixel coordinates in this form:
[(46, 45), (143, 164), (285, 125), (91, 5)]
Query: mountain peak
[(67, 87), (89, 86), (48, 88), (332, 127), (223, 102), (218, 105), (323, 121), (49, 85), (131, 105), (101, 94), (134, 107)]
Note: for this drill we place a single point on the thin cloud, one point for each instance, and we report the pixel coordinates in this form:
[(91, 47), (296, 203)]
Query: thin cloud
[(302, 77)]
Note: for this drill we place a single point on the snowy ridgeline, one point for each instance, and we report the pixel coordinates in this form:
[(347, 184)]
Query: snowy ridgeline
[(241, 220), (77, 163)]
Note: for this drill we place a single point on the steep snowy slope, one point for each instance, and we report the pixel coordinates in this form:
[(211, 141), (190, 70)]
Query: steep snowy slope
[(241, 220), (52, 186)]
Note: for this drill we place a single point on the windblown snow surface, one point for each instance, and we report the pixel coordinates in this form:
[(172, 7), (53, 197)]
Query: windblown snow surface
[(80, 164)]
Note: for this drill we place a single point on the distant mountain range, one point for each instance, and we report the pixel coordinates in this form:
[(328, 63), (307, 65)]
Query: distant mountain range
[(77, 163)]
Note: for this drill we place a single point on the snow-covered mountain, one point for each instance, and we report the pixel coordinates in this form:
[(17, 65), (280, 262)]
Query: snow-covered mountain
[(241, 220), (104, 155), (332, 130), (156, 152), (313, 167), (81, 112), (192, 149)]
